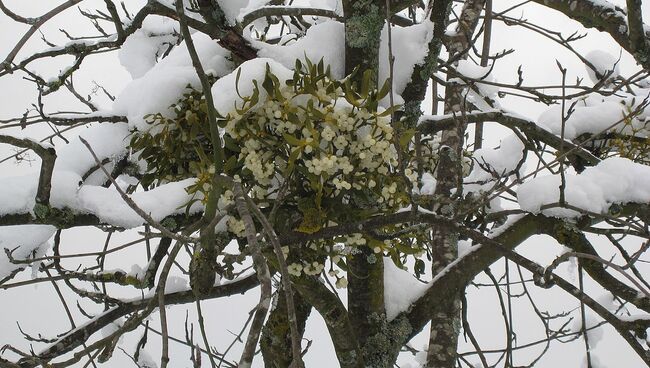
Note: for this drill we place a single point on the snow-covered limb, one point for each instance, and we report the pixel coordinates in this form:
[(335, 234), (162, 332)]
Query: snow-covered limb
[(158, 89), (277, 11), (144, 215), (401, 289), (73, 193), (612, 181), (326, 133), (432, 124), (607, 17)]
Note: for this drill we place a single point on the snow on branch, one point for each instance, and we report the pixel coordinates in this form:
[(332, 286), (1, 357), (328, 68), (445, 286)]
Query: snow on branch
[(433, 124), (612, 181), (605, 16)]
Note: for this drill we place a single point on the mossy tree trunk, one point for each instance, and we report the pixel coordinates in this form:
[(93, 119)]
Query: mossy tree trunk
[(445, 323), (275, 341), (364, 20)]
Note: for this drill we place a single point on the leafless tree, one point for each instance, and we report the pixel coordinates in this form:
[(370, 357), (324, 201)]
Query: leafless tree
[(274, 202)]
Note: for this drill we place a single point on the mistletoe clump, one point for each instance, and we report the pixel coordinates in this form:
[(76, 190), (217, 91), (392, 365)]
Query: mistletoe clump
[(629, 141), (327, 146), (178, 147), (331, 145)]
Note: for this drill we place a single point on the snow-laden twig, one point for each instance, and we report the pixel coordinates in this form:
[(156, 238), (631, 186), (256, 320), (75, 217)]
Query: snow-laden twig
[(290, 11)]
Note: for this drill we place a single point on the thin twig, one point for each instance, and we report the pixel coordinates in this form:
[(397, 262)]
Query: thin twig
[(155, 224)]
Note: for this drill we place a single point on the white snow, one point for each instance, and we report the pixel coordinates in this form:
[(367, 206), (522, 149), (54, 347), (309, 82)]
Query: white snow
[(401, 289), (167, 199), (28, 239), (325, 40), (159, 88), (137, 271), (409, 48), (419, 360), (605, 64), (614, 180), (145, 360), (501, 160), (141, 50), (159, 203), (501, 229), (73, 161), (591, 115), (244, 9), (17, 194), (490, 164), (106, 140), (334, 5), (233, 8), (188, 5), (470, 70), (484, 97), (428, 183), (251, 6)]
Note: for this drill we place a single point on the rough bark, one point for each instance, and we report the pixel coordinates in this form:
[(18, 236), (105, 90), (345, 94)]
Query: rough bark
[(276, 335), (364, 20), (336, 318), (416, 89), (445, 326)]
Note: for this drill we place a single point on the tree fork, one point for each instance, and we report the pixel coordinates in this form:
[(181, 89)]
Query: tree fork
[(275, 341)]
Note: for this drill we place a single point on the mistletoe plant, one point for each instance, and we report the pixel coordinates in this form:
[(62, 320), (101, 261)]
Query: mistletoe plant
[(328, 146)]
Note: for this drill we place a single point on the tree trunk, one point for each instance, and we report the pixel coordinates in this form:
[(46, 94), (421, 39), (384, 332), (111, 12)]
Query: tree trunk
[(364, 20), (276, 335), (445, 323)]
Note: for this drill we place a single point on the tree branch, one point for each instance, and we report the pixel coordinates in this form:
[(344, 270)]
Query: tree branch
[(75, 338), (606, 17), (37, 23), (431, 125), (48, 157)]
